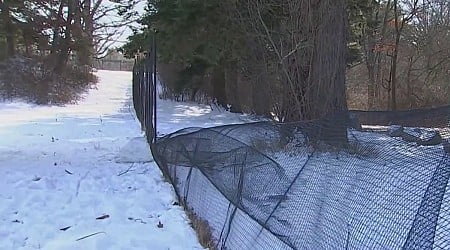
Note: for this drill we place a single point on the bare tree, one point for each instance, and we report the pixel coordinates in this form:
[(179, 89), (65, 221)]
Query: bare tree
[(373, 43), (307, 41), (406, 54), (82, 28), (427, 51), (400, 20), (108, 20)]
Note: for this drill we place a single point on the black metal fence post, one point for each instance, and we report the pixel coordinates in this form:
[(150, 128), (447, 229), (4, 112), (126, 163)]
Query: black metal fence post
[(154, 88), (148, 94)]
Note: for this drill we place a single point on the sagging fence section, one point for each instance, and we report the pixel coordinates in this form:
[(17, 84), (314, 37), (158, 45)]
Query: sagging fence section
[(268, 185)]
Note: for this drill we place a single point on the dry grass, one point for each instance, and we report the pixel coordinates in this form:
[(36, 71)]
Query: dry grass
[(202, 229), (200, 226)]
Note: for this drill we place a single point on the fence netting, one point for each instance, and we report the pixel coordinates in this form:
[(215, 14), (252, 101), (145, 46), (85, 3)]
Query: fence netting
[(324, 184)]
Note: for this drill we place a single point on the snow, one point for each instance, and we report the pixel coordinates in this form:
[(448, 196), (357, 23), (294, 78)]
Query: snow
[(82, 177), (136, 150), (173, 116), (64, 167)]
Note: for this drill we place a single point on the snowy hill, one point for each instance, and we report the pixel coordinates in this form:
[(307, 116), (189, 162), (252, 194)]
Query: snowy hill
[(82, 177)]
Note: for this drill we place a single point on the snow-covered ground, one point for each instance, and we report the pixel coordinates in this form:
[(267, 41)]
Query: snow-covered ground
[(82, 177)]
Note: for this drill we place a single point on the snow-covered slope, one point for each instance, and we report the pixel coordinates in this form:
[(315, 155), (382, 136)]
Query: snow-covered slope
[(81, 176)]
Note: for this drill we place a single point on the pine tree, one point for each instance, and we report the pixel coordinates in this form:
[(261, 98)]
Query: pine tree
[(299, 47)]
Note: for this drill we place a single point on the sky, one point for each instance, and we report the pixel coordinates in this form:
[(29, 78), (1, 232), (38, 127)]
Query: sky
[(127, 31)]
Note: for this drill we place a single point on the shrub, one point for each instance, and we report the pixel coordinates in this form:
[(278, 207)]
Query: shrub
[(31, 80)]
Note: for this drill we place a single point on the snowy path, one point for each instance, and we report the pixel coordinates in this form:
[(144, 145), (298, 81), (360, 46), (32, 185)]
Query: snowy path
[(63, 167)]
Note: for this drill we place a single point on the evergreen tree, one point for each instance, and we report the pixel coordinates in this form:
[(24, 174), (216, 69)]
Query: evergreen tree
[(293, 53)]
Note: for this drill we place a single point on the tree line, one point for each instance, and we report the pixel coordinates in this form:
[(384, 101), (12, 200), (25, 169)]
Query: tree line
[(290, 59), (47, 47), (406, 53), (61, 29)]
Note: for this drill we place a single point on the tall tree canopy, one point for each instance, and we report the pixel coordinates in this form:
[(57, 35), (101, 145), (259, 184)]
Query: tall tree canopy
[(283, 59), (287, 59)]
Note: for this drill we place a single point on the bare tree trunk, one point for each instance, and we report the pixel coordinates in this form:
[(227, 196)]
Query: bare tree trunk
[(389, 87), (399, 25), (232, 86), (66, 43), (393, 88), (328, 70), (9, 29), (27, 40), (263, 90), (370, 61), (87, 35), (393, 80), (328, 64), (56, 42), (218, 86), (78, 34), (317, 66), (374, 48), (369, 49), (409, 91), (305, 43)]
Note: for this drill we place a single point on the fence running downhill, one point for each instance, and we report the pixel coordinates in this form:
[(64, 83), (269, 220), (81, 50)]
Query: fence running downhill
[(267, 185)]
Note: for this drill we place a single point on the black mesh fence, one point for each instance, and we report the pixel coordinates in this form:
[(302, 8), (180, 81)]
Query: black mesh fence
[(144, 95), (325, 184)]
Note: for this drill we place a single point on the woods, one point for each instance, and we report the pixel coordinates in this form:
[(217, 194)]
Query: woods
[(76, 28), (266, 57), (406, 54), (291, 60), (49, 44), (258, 56)]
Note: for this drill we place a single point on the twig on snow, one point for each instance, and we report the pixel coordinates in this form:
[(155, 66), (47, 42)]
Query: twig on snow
[(137, 220), (79, 182), (65, 228), (126, 171), (102, 217), (90, 235)]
